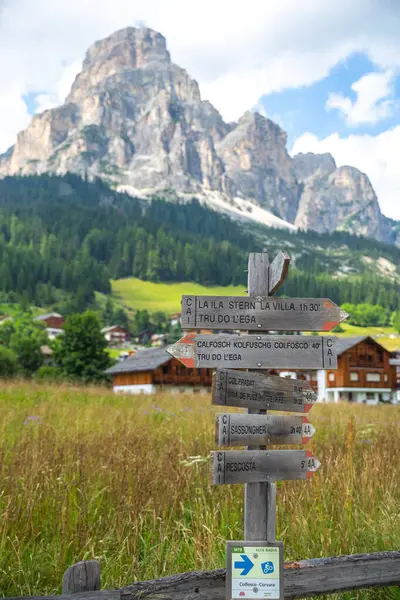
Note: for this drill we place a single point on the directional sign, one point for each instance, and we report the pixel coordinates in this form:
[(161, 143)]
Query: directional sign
[(262, 312), (256, 351), (245, 563), (263, 392), (252, 466), (254, 570), (259, 430)]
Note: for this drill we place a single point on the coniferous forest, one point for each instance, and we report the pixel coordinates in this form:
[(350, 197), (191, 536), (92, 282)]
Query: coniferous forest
[(65, 237)]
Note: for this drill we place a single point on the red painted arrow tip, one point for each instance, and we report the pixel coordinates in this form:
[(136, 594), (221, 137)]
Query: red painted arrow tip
[(329, 325), (188, 338)]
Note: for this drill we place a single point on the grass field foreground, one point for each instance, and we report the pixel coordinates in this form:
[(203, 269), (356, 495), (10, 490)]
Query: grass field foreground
[(88, 474)]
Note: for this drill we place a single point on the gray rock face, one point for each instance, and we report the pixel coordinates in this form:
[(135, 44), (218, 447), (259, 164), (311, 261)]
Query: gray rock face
[(137, 120), (338, 199), (306, 165)]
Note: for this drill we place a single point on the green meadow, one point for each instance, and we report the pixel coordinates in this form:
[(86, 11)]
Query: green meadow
[(88, 474), (135, 294)]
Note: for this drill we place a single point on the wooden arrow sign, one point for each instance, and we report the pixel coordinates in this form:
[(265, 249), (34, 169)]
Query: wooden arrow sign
[(262, 312), (262, 392), (253, 466), (256, 351), (260, 430)]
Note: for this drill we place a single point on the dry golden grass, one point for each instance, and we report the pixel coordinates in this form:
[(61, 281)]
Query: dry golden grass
[(87, 474)]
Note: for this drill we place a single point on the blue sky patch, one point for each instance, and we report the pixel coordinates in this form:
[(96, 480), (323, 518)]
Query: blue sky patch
[(303, 109)]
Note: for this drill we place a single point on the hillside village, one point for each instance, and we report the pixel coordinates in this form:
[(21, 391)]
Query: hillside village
[(367, 372)]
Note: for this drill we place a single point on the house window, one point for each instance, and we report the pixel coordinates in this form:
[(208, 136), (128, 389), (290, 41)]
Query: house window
[(373, 377), (165, 369), (386, 377), (331, 376), (354, 377), (370, 396)]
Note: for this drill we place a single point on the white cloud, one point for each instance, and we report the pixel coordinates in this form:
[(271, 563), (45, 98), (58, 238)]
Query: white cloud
[(377, 156), (51, 100), (14, 114), (237, 51), (374, 101)]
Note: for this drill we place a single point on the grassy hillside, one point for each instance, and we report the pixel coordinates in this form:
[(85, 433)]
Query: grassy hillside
[(132, 294), (89, 474), (136, 294)]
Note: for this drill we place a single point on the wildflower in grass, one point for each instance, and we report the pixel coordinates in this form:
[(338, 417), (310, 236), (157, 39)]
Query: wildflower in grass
[(32, 418)]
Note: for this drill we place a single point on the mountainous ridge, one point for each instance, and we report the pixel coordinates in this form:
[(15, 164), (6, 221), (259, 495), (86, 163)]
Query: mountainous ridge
[(137, 120)]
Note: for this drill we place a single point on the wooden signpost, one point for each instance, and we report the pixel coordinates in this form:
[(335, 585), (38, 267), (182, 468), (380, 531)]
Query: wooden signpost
[(256, 351), (245, 466), (245, 430), (253, 565), (260, 313), (266, 392)]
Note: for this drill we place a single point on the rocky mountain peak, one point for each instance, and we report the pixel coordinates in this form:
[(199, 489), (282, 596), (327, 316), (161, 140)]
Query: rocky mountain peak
[(137, 120), (306, 165), (118, 55)]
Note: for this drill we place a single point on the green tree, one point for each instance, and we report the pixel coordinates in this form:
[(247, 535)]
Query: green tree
[(120, 317), (8, 363), (81, 351), (26, 341), (396, 320), (108, 312), (141, 321)]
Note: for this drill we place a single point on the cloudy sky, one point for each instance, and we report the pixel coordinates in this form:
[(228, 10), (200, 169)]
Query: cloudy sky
[(326, 70)]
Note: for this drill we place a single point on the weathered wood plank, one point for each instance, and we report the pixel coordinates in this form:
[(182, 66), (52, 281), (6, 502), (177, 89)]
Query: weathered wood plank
[(302, 579), (256, 351), (260, 313), (258, 274), (259, 391), (83, 576), (95, 595), (251, 430), (259, 497), (252, 466), (278, 271)]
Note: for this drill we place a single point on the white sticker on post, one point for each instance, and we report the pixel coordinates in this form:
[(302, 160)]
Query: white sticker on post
[(254, 570)]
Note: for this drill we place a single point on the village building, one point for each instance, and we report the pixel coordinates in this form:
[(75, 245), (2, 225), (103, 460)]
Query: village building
[(115, 334), (54, 324), (366, 373), (175, 319), (153, 369)]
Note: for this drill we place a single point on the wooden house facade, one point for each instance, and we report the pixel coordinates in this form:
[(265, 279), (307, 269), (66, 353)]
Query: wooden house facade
[(116, 334), (365, 373), (152, 370)]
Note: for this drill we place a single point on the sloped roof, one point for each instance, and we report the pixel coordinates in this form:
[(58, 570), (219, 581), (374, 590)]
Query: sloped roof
[(46, 316), (105, 329), (345, 343), (142, 360)]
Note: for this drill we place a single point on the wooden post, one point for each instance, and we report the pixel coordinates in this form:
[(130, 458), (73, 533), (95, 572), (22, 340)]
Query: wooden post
[(259, 498), (83, 576)]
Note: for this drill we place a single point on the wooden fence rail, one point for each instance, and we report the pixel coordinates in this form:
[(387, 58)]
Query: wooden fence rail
[(303, 579)]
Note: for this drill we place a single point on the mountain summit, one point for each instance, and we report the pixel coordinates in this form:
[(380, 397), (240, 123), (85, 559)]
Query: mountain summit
[(137, 120)]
